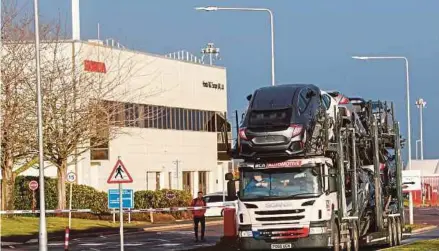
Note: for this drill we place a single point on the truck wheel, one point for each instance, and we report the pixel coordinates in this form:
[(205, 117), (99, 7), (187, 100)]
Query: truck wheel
[(355, 237), (335, 237), (390, 232), (398, 226)]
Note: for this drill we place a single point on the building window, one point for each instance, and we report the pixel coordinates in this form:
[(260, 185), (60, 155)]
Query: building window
[(170, 180), (157, 181), (159, 114), (211, 121), (187, 183), (202, 181), (197, 120), (99, 146)]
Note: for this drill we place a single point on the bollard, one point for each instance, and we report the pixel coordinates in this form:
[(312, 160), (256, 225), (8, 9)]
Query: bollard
[(151, 216), (66, 239), (229, 223)]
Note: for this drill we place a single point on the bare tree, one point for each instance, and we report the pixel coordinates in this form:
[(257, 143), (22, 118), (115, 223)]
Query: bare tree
[(82, 108), (17, 130)]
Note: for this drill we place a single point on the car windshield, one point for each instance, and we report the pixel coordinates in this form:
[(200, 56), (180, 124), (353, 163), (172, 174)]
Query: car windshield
[(280, 184), (270, 118)]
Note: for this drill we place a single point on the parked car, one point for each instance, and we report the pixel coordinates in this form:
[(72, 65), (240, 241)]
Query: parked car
[(279, 120), (215, 200), (330, 104), (349, 111)]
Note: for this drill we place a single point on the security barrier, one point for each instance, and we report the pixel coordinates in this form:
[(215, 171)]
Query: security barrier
[(56, 211)]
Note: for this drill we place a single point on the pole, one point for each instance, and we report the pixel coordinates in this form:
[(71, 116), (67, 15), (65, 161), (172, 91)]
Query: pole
[(421, 109), (416, 150), (42, 228), (272, 47), (70, 205), (224, 184), (121, 216), (409, 137)]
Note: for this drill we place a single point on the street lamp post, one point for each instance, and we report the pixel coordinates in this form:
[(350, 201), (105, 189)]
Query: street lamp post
[(214, 8), (417, 141), (408, 115), (42, 230), (420, 103)]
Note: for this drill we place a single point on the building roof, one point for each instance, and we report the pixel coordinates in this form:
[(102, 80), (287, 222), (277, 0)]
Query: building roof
[(428, 167)]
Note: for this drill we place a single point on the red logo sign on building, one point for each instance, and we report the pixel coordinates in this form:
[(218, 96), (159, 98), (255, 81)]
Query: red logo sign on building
[(94, 66)]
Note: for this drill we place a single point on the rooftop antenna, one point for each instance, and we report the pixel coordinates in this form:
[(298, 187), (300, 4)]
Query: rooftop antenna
[(211, 50), (99, 32), (76, 33)]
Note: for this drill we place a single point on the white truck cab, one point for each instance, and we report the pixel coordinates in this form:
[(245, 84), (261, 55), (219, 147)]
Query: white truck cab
[(286, 204)]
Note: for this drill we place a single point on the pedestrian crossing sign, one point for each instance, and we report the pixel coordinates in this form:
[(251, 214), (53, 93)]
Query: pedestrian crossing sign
[(119, 174)]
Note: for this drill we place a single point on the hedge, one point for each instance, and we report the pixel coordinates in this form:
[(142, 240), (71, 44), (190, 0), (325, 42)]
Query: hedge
[(86, 197)]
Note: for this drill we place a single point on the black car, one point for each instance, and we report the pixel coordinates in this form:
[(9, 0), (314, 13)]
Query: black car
[(279, 121)]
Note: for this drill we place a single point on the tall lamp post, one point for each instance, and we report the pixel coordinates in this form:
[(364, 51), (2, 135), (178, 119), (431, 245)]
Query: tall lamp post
[(214, 8), (42, 229), (408, 115), (417, 141), (420, 103)]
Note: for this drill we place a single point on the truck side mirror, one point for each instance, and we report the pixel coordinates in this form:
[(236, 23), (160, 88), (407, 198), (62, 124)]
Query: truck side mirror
[(231, 190), (332, 180), (249, 97), (229, 176)]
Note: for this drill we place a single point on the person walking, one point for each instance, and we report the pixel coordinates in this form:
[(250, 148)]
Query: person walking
[(199, 215)]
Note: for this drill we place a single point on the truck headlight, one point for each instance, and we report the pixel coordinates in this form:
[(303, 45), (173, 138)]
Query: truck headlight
[(245, 234)]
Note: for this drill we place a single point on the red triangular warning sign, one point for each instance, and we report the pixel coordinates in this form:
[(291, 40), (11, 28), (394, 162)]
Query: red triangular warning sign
[(119, 174)]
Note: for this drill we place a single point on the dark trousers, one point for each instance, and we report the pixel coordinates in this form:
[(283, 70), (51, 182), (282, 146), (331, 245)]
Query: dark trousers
[(201, 220)]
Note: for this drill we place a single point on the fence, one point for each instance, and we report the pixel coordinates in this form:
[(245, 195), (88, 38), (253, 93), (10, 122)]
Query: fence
[(428, 196)]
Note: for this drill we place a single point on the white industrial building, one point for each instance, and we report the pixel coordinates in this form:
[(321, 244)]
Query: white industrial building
[(179, 149)]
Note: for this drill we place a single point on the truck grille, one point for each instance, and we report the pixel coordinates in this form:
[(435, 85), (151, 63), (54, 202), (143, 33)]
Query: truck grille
[(293, 211), (281, 218)]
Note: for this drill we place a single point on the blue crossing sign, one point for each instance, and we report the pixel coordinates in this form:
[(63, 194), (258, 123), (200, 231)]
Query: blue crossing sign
[(127, 198)]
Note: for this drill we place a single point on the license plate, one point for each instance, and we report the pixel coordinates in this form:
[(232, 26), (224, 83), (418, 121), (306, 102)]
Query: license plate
[(281, 246)]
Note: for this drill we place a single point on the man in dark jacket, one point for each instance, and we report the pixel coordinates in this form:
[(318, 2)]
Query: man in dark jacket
[(199, 215)]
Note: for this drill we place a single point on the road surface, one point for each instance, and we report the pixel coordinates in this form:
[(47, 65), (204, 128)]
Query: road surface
[(182, 239)]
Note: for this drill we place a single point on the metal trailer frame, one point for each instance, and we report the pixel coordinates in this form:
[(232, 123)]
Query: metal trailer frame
[(347, 159)]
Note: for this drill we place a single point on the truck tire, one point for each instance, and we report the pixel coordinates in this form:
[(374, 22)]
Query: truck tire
[(335, 237), (395, 233), (390, 232), (355, 237), (398, 226)]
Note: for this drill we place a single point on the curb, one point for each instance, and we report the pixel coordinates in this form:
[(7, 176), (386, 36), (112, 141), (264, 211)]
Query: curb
[(424, 229), (414, 232), (179, 226)]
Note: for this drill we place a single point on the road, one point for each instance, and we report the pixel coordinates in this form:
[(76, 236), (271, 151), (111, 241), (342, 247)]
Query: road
[(182, 239)]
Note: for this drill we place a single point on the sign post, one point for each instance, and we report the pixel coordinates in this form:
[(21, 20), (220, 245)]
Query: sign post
[(71, 177), (33, 185), (120, 175)]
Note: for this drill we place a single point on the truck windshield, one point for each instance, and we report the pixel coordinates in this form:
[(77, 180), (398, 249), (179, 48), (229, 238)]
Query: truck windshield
[(280, 184)]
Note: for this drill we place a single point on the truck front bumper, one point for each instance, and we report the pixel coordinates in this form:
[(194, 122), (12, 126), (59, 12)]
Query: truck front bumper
[(311, 242)]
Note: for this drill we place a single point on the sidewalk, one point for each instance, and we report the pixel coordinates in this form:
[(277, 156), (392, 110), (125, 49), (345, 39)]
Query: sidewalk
[(97, 232)]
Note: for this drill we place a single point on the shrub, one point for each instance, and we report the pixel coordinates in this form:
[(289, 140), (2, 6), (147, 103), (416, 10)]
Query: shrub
[(85, 197)]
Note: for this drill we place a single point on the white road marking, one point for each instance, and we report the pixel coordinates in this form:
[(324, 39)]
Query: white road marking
[(55, 244), (92, 244)]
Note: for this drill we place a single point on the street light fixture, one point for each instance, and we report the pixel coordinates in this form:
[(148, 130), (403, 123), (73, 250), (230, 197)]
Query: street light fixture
[(408, 114), (420, 103), (215, 8)]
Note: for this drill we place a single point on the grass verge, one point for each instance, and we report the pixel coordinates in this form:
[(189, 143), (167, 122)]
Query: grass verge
[(29, 225), (419, 246)]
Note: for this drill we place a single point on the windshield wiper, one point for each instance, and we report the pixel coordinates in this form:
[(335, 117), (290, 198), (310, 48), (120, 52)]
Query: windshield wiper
[(302, 195)]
